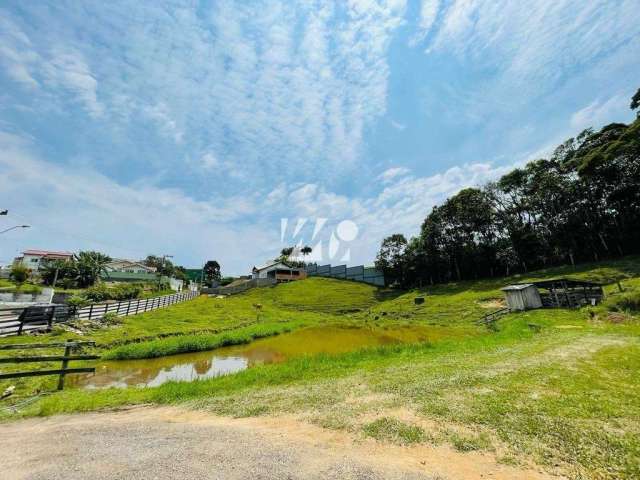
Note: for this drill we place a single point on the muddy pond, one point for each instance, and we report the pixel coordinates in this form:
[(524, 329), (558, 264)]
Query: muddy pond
[(308, 341)]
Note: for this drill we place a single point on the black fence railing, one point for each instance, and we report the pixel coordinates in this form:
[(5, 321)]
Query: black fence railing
[(18, 320)]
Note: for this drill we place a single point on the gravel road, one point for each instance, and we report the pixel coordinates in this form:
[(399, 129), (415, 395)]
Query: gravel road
[(171, 444)]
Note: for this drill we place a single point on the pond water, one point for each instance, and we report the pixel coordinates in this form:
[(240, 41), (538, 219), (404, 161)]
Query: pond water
[(309, 341)]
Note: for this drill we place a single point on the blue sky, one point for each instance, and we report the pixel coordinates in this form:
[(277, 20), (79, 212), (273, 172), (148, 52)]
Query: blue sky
[(193, 128)]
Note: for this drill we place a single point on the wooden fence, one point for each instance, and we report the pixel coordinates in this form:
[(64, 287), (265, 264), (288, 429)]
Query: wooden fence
[(69, 348), (17, 320), (133, 307)]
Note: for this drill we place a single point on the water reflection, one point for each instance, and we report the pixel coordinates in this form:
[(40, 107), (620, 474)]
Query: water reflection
[(222, 361)]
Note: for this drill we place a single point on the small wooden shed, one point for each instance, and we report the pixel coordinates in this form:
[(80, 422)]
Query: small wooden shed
[(522, 297)]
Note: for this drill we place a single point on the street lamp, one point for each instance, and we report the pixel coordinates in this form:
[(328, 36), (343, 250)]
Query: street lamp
[(17, 226)]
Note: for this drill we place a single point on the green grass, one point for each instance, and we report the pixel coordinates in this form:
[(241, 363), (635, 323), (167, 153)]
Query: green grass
[(564, 394), (194, 343), (393, 430)]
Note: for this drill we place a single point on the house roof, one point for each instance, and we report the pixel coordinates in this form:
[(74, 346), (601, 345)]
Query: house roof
[(270, 264), (47, 253), (131, 262)]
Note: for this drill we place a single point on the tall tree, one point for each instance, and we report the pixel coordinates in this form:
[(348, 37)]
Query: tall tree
[(90, 265), (212, 272), (390, 259)]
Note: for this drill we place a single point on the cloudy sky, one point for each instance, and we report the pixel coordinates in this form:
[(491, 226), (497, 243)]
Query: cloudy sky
[(193, 128)]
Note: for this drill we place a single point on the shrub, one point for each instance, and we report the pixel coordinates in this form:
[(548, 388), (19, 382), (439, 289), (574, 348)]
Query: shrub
[(19, 273), (627, 302), (98, 293), (112, 318), (77, 301), (125, 291)]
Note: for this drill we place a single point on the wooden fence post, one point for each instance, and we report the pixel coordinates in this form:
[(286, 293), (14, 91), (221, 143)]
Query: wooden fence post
[(65, 363)]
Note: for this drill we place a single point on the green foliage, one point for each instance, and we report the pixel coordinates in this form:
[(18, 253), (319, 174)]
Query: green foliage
[(635, 101), (226, 280), (66, 270), (121, 291), (97, 293), (19, 273), (112, 318), (391, 258), (77, 301), (193, 343), (212, 272), (89, 266), (625, 302), (28, 288)]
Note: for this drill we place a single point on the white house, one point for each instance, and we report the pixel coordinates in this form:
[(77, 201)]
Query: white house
[(35, 259), (128, 266), (278, 270)]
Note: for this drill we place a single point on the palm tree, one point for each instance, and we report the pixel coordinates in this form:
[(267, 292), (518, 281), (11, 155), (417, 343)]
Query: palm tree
[(306, 250), (90, 265)]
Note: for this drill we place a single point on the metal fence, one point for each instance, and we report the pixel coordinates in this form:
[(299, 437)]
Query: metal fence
[(359, 273), (17, 320)]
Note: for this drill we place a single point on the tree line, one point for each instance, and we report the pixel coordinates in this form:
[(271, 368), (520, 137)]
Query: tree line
[(581, 204)]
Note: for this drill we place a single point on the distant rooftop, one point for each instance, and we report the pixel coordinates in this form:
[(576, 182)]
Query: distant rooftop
[(47, 253)]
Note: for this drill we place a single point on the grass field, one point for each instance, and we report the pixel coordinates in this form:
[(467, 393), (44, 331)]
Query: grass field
[(556, 387)]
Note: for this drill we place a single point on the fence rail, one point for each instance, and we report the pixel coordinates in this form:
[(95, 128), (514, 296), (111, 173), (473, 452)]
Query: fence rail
[(133, 307), (69, 348), (17, 320)]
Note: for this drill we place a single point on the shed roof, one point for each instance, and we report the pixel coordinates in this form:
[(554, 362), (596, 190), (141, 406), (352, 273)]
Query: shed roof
[(517, 286), (565, 282)]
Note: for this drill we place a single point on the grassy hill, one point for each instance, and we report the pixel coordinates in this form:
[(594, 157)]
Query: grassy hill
[(556, 387)]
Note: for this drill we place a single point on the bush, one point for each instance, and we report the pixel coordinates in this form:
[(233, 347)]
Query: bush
[(126, 291), (112, 318), (19, 273), (625, 302), (77, 301), (98, 293)]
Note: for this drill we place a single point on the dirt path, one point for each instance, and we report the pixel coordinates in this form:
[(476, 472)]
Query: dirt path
[(171, 443)]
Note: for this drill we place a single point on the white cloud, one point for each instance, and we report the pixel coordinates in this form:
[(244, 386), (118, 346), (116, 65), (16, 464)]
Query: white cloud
[(398, 126), (161, 115), (68, 69), (209, 161), (428, 14), (600, 112), (532, 44), (392, 173)]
